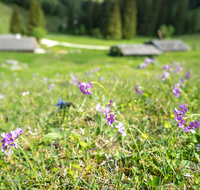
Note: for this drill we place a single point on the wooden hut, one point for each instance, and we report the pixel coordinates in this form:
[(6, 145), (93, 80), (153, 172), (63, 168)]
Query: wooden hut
[(134, 50), (169, 45), (18, 43)]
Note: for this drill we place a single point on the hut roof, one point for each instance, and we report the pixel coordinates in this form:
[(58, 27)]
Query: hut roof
[(135, 49), (170, 45), (18, 43)]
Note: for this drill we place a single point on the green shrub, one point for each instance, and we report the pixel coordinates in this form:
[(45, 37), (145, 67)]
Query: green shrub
[(167, 31), (38, 33)]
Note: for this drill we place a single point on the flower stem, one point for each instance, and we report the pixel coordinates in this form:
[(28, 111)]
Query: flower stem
[(185, 95), (103, 88), (28, 161)]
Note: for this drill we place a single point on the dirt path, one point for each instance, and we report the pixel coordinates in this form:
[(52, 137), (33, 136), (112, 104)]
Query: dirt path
[(51, 43)]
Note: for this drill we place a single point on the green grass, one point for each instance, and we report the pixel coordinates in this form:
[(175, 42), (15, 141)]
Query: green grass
[(75, 148), (4, 18)]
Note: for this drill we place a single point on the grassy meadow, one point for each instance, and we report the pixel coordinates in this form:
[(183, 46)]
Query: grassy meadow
[(73, 147)]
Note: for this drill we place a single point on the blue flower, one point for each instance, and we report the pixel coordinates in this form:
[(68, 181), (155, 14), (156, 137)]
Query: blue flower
[(61, 103)]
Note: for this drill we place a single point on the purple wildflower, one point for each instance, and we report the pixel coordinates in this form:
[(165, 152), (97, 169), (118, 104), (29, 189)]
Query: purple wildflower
[(137, 90), (74, 81), (97, 69), (107, 111), (165, 75), (121, 129), (101, 79), (187, 129), (110, 119), (183, 109), (194, 125), (45, 79), (178, 69), (177, 112), (86, 74), (1, 96), (9, 138), (143, 65), (35, 74), (188, 75), (176, 91), (98, 107), (148, 60), (180, 120), (85, 87), (50, 87), (91, 71), (168, 67), (111, 103)]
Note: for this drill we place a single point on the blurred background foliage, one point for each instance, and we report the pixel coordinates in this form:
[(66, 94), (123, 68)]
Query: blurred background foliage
[(91, 17)]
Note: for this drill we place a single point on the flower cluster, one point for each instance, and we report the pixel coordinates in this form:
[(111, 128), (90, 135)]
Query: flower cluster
[(176, 91), (167, 67), (193, 125), (147, 61), (73, 80), (121, 129), (110, 118), (85, 87), (165, 75), (188, 75), (9, 139)]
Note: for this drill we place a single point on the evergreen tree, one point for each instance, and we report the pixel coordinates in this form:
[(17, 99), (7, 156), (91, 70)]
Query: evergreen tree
[(89, 16), (70, 22), (96, 15), (15, 23), (129, 19), (35, 17), (193, 22), (114, 28), (105, 13), (146, 17), (180, 17)]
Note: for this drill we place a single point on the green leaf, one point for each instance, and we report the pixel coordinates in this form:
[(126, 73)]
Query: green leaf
[(52, 136), (119, 154), (155, 181), (83, 144)]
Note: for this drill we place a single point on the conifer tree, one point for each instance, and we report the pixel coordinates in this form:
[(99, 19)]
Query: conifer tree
[(70, 22), (180, 17), (89, 15), (105, 13), (114, 27), (35, 17), (193, 22), (15, 23), (129, 19)]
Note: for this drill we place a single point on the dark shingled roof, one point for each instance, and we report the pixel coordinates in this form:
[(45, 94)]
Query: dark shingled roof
[(17, 43), (170, 45), (134, 49)]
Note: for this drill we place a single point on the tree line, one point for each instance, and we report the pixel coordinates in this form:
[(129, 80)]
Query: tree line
[(116, 19)]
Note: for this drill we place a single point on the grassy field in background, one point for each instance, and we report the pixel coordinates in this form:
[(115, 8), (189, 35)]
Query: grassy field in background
[(74, 148), (52, 62)]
